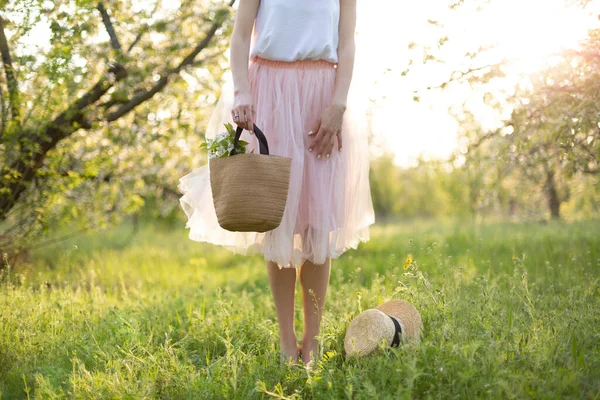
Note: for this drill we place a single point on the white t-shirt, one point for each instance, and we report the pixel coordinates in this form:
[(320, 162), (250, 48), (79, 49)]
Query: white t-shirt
[(290, 30)]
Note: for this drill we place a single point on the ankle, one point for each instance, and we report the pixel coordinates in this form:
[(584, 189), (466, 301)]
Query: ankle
[(287, 338), (310, 340), (289, 350), (309, 350), (310, 344)]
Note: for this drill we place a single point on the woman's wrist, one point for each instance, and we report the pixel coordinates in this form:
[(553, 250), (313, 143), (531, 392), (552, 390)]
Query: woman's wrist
[(341, 106), (338, 100)]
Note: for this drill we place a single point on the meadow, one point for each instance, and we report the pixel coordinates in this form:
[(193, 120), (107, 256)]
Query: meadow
[(510, 310)]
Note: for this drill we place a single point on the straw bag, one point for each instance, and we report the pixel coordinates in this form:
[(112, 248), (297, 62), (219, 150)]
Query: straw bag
[(250, 190)]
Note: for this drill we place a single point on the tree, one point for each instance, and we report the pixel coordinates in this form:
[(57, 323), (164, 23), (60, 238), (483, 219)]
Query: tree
[(556, 124), (102, 117), (552, 134)]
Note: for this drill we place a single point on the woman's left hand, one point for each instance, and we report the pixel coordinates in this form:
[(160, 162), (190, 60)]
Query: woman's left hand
[(328, 131)]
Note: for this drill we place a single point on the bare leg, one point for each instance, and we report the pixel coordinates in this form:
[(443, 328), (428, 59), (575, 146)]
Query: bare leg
[(283, 287), (315, 280)]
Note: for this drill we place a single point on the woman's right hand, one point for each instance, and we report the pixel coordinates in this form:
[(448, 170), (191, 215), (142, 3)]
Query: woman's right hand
[(243, 112)]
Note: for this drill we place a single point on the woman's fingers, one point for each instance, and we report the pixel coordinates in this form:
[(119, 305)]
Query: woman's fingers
[(243, 116), (313, 135), (327, 145), (318, 138), (323, 141), (249, 118), (236, 114), (315, 144), (328, 133), (243, 112)]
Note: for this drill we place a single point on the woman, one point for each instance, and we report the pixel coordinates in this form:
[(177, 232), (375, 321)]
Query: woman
[(293, 83)]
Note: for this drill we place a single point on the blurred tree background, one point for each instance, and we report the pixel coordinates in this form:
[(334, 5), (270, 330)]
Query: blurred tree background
[(108, 116), (100, 124), (543, 162)]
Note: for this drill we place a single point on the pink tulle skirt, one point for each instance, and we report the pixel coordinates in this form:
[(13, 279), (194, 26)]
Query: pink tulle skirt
[(329, 208)]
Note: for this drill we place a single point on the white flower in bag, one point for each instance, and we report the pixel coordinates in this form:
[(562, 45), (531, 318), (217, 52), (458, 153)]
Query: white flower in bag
[(222, 144)]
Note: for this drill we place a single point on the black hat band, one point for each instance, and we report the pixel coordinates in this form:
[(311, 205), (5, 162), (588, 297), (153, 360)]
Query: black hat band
[(397, 333)]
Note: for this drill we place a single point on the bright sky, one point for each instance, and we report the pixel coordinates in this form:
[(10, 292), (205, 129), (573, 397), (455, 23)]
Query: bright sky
[(525, 31)]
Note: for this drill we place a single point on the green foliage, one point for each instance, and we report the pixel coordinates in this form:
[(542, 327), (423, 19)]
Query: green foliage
[(103, 163), (386, 191), (556, 122), (509, 311), (480, 184), (552, 139), (418, 191)]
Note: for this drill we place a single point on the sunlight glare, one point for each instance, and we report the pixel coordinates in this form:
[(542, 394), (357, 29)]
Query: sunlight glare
[(525, 33)]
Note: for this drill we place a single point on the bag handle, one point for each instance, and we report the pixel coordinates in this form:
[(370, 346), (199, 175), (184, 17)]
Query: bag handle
[(262, 140)]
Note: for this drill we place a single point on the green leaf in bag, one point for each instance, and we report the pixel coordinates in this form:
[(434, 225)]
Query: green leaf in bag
[(229, 128)]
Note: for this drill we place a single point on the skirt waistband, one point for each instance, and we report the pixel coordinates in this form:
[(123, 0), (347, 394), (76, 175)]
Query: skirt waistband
[(298, 64)]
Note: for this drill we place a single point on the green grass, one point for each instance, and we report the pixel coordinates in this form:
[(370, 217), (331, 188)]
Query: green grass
[(509, 311)]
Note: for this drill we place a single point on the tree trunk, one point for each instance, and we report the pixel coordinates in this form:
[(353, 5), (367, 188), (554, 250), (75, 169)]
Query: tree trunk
[(552, 195)]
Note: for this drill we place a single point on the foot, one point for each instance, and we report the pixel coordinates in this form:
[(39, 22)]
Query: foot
[(309, 350), (287, 360), (289, 353)]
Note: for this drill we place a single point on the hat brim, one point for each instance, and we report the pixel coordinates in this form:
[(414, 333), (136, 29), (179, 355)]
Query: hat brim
[(408, 316), (367, 331)]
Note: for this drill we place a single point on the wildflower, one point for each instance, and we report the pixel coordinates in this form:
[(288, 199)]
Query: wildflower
[(409, 261)]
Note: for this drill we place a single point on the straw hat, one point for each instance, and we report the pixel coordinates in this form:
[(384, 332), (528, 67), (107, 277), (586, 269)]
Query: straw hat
[(389, 322)]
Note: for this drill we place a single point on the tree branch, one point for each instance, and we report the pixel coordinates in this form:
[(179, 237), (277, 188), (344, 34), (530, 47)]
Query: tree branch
[(591, 171), (38, 100), (137, 39), (3, 115), (481, 139), (114, 102), (145, 29), (114, 40), (62, 126), (162, 82), (459, 75), (13, 88), (202, 61)]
